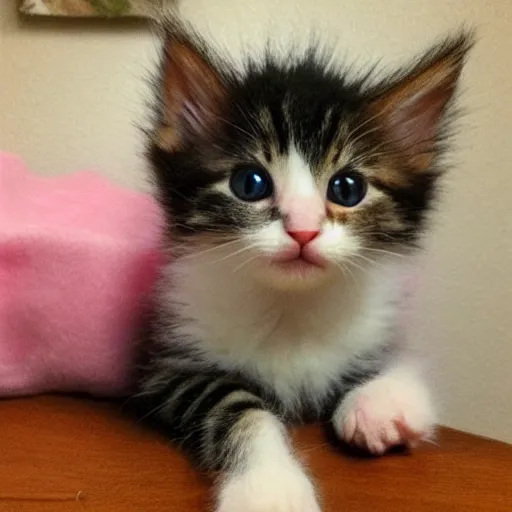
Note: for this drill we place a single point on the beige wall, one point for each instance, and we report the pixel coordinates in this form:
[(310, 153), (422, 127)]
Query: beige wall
[(70, 93)]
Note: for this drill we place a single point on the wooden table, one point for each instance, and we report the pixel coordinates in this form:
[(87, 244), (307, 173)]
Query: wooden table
[(66, 454)]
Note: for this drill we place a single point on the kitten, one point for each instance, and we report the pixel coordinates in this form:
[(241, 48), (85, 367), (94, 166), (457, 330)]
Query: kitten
[(295, 199)]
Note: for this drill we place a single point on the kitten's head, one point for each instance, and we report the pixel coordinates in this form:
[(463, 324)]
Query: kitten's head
[(289, 170)]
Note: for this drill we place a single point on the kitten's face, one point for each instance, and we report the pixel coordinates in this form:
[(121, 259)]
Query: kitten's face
[(309, 219), (292, 219), (291, 174)]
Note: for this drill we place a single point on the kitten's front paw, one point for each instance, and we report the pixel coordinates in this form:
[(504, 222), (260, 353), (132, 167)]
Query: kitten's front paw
[(278, 488), (388, 411)]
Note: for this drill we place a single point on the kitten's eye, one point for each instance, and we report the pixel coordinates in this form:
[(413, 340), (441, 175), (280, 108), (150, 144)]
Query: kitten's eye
[(251, 184), (346, 188)]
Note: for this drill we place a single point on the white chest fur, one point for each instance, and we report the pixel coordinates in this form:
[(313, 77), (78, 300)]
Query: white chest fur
[(292, 341)]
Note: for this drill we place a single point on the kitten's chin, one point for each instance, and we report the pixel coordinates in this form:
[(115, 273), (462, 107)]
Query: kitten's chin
[(297, 274)]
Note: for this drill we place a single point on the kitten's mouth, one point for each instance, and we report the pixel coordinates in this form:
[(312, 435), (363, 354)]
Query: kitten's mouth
[(300, 261), (297, 266)]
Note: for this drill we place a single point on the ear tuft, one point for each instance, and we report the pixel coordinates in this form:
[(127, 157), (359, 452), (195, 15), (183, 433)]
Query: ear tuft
[(192, 89), (412, 105)]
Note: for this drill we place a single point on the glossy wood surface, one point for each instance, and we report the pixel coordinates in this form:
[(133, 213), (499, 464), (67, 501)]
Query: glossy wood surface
[(61, 454)]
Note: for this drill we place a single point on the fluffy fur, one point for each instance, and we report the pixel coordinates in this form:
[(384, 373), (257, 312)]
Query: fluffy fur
[(285, 308)]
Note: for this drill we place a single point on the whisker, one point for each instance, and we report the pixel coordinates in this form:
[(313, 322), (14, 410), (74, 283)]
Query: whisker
[(362, 125), (252, 258), (373, 153), (250, 121), (373, 263), (359, 267), (380, 233), (211, 249), (383, 251), (202, 229), (241, 130), (345, 270), (402, 148), (243, 249), (362, 135), (369, 260)]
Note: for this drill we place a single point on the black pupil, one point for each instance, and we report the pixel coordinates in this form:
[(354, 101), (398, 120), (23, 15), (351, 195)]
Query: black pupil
[(251, 184), (346, 189)]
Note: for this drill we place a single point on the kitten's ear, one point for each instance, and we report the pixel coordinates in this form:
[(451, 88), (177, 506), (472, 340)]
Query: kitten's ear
[(192, 92), (412, 108)]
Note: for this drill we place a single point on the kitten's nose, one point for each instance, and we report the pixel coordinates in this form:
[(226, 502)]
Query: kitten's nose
[(303, 237)]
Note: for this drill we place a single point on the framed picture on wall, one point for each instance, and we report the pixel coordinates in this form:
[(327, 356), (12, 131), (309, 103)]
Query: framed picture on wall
[(91, 8)]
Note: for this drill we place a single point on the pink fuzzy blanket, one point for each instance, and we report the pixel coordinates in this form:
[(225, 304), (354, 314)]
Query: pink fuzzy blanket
[(77, 257)]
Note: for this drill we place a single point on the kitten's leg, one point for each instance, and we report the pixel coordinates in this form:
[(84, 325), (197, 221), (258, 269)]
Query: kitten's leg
[(393, 408), (226, 427)]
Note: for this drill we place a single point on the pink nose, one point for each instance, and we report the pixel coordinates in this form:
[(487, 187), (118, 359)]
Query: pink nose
[(303, 237)]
